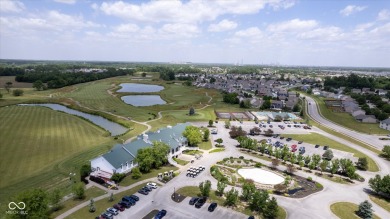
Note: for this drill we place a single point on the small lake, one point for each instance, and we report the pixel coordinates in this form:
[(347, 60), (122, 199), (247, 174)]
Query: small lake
[(143, 100), (139, 88), (112, 127)]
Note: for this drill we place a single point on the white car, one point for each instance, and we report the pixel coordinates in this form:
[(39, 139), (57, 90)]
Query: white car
[(112, 211), (152, 185)]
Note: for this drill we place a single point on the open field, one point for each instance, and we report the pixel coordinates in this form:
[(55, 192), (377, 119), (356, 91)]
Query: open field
[(315, 138), (384, 203), (70, 203), (15, 84), (346, 210), (193, 191), (51, 144), (346, 120)]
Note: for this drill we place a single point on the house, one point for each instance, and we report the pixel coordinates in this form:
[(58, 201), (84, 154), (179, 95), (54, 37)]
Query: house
[(385, 124), (276, 104), (358, 112), (381, 92), (121, 159), (366, 118), (356, 91), (365, 89), (256, 103)]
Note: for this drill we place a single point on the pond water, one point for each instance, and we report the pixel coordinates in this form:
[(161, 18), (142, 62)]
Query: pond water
[(261, 176), (143, 100), (112, 127), (139, 88)]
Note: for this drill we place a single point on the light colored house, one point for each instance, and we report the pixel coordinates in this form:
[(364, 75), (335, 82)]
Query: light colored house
[(385, 124), (358, 112), (366, 118), (121, 159)]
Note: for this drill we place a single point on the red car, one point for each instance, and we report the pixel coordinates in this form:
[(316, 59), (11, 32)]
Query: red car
[(118, 207), (294, 146), (293, 150)]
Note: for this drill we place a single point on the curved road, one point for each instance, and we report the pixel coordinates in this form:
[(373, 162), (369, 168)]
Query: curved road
[(314, 113)]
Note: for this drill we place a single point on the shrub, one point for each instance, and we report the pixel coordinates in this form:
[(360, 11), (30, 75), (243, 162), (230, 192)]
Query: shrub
[(258, 165), (117, 177), (309, 179), (241, 157)]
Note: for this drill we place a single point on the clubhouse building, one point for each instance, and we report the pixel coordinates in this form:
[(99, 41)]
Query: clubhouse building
[(121, 159)]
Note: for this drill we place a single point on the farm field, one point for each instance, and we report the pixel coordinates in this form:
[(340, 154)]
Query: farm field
[(15, 84), (315, 138), (34, 140)]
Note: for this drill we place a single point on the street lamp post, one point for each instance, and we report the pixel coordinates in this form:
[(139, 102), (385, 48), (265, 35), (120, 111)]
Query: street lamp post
[(174, 193), (71, 175)]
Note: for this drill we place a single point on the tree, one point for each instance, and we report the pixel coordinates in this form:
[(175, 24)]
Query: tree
[(259, 200), (386, 151), (227, 124), (255, 131), (266, 105), (78, 190), (380, 185), (362, 163), (335, 166), (85, 170), (36, 203), (231, 197), (8, 86), (206, 135), (307, 160), (117, 177), (311, 165), (1, 95), (316, 159), (271, 210), (143, 74), (136, 173), (269, 132), (92, 207), (236, 132), (278, 118), (17, 92), (193, 135), (280, 188), (351, 172), (211, 123), (111, 198), (324, 165), (221, 187), (290, 169), (38, 85), (328, 154), (192, 111), (365, 210), (301, 164), (204, 188), (55, 199), (219, 141), (296, 108), (248, 188)]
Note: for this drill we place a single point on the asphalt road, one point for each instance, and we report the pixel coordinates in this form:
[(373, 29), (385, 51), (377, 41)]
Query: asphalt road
[(372, 140)]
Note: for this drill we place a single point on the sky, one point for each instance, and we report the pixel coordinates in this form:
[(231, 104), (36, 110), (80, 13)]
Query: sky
[(280, 32)]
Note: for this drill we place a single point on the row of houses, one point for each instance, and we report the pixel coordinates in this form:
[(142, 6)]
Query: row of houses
[(121, 159)]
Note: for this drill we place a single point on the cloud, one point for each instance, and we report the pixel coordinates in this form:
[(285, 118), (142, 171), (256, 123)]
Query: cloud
[(292, 25), (223, 25), (127, 28), (179, 30), (383, 15), (323, 34), (192, 11), (351, 9), (69, 2), (249, 32), (11, 6)]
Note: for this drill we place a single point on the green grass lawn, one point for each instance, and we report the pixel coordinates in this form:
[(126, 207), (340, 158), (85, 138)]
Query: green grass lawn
[(192, 152), (345, 119), (102, 205), (346, 210), (180, 161), (205, 145), (384, 203), (315, 138), (192, 191), (35, 140), (128, 180), (217, 150), (70, 203)]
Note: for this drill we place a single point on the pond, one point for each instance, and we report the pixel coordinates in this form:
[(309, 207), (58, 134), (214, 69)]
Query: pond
[(143, 100), (261, 176), (139, 88), (112, 127)]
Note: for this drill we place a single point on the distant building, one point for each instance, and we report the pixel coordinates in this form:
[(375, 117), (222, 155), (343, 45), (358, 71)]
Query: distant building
[(366, 118)]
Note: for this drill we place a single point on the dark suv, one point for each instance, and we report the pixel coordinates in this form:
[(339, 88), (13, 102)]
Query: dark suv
[(193, 200), (200, 202), (212, 207)]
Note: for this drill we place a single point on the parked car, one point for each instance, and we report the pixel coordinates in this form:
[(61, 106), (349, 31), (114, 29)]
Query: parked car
[(317, 146), (193, 200), (107, 215), (143, 192), (124, 204), (160, 214), (300, 142), (293, 150), (288, 139), (271, 126), (134, 197), (326, 147), (200, 202), (289, 126), (113, 211), (128, 199), (281, 137), (294, 146), (212, 207), (251, 217), (119, 207), (151, 185), (146, 188)]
